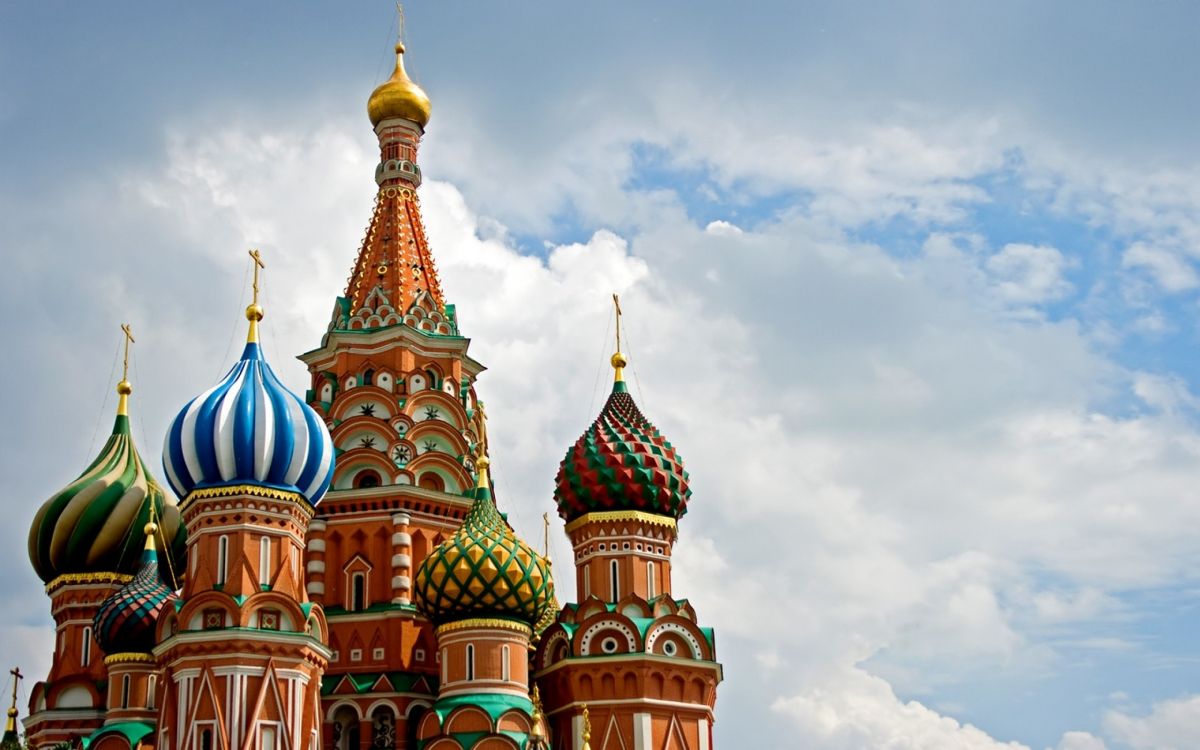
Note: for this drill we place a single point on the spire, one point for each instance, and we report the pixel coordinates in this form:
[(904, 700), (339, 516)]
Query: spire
[(618, 359), (254, 313), (124, 388), (10, 739)]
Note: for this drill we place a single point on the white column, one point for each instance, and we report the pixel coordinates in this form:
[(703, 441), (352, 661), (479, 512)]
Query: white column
[(703, 726), (641, 732)]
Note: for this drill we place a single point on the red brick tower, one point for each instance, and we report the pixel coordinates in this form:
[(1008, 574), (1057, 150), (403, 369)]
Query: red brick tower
[(393, 380), (629, 650), (242, 652)]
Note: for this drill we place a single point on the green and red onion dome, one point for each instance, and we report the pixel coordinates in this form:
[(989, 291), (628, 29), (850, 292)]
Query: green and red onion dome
[(94, 524), (484, 570), (622, 463), (126, 621)]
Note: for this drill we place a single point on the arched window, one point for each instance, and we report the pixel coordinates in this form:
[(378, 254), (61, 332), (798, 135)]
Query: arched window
[(614, 583), (650, 580), (366, 479), (383, 729), (151, 689), (125, 691), (504, 663), (431, 481), (358, 592), (86, 655), (445, 666), (222, 559), (587, 580), (470, 661), (264, 561)]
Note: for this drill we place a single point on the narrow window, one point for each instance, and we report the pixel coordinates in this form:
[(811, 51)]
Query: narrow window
[(650, 580), (445, 666), (504, 663), (151, 689), (264, 561), (587, 580), (268, 738), (222, 559), (87, 646), (206, 736), (358, 591), (470, 661), (615, 588), (125, 691)]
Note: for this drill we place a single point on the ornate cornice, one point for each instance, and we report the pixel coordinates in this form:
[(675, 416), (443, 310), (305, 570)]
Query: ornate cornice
[(241, 490), (489, 623), (618, 516), (128, 657), (86, 579)]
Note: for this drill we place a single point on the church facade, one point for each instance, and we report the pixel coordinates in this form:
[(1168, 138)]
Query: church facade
[(333, 569)]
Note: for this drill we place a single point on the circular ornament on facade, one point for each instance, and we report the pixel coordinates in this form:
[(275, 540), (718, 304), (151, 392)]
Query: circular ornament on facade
[(669, 648), (609, 645)]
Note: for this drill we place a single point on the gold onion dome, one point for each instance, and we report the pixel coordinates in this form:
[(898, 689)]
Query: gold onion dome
[(399, 97), (484, 570), (92, 525)]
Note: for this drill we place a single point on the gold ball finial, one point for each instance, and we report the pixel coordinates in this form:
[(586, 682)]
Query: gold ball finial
[(618, 360), (254, 312), (482, 463), (151, 528), (124, 388)]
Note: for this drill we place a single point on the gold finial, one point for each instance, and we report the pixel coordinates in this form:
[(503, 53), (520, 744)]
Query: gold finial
[(618, 359), (400, 25), (12, 709), (151, 526), (539, 722), (587, 729), (254, 312), (481, 464), (546, 537), (124, 388)]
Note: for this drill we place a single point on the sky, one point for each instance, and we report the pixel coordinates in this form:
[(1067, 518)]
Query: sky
[(914, 287)]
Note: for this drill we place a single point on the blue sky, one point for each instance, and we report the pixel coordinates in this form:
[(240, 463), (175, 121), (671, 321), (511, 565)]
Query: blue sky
[(913, 286)]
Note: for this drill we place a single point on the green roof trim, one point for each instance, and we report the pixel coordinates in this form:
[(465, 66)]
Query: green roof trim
[(401, 682), (134, 731)]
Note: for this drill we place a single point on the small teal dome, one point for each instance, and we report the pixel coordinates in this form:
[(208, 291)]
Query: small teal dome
[(249, 429)]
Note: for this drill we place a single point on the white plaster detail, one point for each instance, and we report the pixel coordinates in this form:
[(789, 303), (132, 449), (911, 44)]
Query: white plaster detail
[(402, 539), (315, 566), (316, 545), (401, 561)]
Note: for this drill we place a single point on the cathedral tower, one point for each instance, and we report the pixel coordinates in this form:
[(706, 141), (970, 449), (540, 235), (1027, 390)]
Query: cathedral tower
[(242, 652), (394, 382), (629, 650), (86, 543)]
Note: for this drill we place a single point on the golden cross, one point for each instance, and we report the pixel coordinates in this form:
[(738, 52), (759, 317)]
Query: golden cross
[(546, 529), (400, 14), (258, 263), (17, 677), (128, 340), (617, 305)]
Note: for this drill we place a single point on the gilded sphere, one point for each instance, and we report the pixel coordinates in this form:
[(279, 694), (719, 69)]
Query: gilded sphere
[(618, 360), (124, 388), (150, 528), (399, 97), (482, 463), (254, 312)]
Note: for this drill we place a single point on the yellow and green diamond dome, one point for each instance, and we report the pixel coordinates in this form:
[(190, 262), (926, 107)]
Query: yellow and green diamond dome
[(484, 570)]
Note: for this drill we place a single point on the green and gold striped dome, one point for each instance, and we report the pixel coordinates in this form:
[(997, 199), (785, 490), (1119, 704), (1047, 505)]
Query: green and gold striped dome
[(94, 524), (484, 570)]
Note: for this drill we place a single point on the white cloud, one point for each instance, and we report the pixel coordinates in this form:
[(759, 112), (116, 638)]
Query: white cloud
[(1172, 272), (1029, 274), (1170, 725), (1081, 741)]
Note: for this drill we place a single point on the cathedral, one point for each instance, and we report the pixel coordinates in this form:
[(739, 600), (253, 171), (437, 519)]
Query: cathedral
[(335, 570)]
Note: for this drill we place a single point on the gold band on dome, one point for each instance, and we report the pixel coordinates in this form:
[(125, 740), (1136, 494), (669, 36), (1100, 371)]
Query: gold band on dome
[(84, 579), (244, 489), (491, 623), (616, 516), (128, 657)]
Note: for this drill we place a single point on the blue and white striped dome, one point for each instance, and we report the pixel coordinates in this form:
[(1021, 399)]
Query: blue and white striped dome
[(249, 429)]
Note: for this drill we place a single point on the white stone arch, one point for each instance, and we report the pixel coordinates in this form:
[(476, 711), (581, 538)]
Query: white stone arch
[(673, 627), (340, 705), (585, 642)]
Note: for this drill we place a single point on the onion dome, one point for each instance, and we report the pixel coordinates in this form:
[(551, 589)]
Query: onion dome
[(622, 463), (484, 570), (126, 621), (249, 429), (399, 97), (91, 525)]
